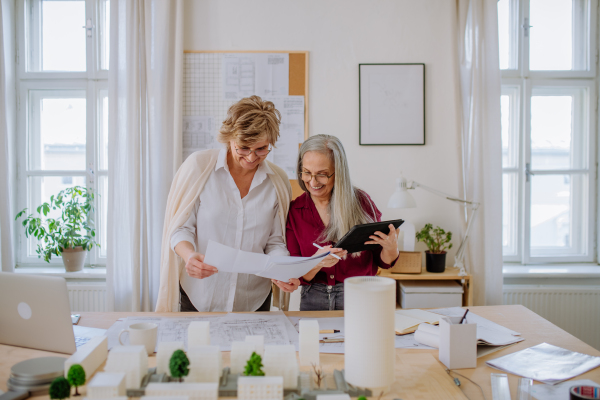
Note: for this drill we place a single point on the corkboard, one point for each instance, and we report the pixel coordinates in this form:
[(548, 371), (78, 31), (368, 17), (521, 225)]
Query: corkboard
[(298, 87)]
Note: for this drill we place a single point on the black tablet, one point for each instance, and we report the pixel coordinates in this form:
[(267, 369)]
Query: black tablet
[(356, 237)]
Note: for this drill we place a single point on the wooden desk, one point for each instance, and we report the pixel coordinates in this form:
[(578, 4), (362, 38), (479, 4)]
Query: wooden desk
[(450, 274), (533, 328)]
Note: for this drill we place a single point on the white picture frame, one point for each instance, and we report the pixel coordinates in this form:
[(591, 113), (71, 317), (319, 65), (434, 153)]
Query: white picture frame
[(391, 104)]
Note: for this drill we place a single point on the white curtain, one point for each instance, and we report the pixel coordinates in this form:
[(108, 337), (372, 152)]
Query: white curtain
[(7, 104), (477, 22), (145, 78)]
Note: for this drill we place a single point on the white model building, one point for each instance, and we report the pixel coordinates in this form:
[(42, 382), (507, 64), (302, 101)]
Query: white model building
[(309, 342), (198, 334), (259, 342), (205, 364), (195, 391), (106, 384), (240, 353), (333, 397), (131, 360), (260, 388), (90, 356), (164, 351), (281, 361)]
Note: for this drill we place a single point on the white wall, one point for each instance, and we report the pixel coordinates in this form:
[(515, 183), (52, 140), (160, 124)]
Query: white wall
[(340, 34)]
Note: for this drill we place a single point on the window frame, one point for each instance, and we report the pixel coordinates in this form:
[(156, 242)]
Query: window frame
[(93, 81), (525, 81)]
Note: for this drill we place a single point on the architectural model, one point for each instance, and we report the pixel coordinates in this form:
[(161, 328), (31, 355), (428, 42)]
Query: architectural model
[(164, 352), (106, 384), (240, 353), (131, 360), (195, 391), (260, 388), (309, 342), (90, 356), (205, 364), (333, 397), (259, 341), (281, 361), (198, 334)]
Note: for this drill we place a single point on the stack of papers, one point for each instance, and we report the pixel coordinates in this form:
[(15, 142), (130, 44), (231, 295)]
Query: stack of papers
[(282, 268), (546, 363), (407, 321)]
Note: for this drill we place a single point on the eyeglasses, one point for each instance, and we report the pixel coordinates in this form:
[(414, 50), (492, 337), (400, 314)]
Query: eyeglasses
[(259, 152), (320, 178)]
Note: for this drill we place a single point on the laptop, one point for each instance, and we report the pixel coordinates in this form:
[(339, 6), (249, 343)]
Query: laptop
[(35, 313)]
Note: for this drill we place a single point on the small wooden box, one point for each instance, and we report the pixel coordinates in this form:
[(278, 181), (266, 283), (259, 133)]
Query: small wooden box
[(409, 262)]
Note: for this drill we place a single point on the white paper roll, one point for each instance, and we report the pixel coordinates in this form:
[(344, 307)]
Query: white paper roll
[(369, 304), (429, 335)]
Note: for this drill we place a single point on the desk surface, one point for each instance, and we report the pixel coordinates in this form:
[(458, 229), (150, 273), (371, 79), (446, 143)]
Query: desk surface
[(532, 327)]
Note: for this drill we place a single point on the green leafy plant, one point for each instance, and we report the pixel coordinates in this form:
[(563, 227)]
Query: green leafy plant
[(178, 365), (362, 398), (60, 388), (73, 228), (254, 366), (76, 377), (436, 239)]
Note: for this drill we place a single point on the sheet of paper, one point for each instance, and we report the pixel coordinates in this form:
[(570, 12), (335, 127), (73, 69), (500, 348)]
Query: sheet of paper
[(473, 318), (198, 134), (560, 391), (224, 329), (228, 259), (262, 74), (284, 272), (291, 132), (403, 323), (546, 363), (424, 316), (405, 341)]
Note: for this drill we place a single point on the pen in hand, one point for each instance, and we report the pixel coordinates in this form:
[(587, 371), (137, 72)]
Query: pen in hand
[(331, 254)]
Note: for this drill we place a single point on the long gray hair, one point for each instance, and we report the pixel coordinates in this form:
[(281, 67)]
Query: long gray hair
[(344, 207)]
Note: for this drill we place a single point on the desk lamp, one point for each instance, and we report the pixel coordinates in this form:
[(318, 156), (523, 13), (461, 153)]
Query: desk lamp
[(401, 198)]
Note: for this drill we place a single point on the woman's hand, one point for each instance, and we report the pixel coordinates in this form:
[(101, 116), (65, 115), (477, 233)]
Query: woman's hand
[(289, 287), (330, 260), (388, 242), (196, 268)]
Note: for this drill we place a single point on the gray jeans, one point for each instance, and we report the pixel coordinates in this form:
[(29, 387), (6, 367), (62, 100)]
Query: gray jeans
[(320, 297)]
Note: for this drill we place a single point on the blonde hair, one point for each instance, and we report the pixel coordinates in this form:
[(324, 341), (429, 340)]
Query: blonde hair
[(249, 121), (345, 209)]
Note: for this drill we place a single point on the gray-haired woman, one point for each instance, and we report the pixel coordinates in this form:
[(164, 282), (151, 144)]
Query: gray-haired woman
[(328, 208)]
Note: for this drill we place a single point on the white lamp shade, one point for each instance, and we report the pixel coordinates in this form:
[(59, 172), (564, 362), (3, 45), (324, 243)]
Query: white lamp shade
[(401, 198)]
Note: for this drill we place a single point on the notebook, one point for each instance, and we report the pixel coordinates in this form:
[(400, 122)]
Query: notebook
[(407, 321)]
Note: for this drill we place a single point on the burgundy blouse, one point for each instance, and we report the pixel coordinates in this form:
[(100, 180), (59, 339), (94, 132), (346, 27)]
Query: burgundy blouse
[(304, 226)]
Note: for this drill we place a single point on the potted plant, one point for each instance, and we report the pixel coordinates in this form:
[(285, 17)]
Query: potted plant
[(437, 241), (69, 235)]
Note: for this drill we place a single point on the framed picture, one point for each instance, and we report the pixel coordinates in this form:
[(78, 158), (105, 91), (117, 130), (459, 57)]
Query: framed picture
[(391, 104)]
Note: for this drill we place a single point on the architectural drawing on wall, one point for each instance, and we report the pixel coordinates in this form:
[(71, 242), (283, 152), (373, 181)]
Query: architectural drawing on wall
[(198, 134), (392, 104), (291, 132), (262, 74)]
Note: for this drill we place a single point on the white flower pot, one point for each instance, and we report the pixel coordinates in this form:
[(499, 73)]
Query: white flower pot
[(73, 258)]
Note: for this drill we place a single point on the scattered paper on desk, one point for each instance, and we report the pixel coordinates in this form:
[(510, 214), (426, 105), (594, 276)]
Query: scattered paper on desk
[(558, 392), (546, 363), (407, 321)]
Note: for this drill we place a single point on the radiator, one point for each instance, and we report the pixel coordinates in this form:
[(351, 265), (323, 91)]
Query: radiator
[(87, 296), (576, 309)]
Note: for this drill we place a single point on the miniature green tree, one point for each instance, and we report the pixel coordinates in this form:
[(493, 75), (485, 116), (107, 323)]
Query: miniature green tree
[(178, 365), (76, 377), (254, 366), (60, 388)]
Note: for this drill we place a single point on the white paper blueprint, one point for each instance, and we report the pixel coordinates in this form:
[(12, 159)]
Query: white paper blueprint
[(224, 328), (262, 74), (404, 341), (291, 132), (198, 134)]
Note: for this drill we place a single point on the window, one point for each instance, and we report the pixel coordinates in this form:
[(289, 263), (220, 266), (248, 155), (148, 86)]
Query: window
[(63, 108), (548, 104)]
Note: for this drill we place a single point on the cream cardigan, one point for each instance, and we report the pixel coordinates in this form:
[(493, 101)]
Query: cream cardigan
[(185, 189)]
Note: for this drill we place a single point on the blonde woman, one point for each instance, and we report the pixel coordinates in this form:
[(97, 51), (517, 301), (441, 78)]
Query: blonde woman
[(233, 196), (329, 207)]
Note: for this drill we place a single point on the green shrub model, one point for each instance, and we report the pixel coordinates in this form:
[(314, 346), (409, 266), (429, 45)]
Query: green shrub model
[(178, 365), (73, 228), (76, 377), (254, 366), (436, 239), (60, 388)]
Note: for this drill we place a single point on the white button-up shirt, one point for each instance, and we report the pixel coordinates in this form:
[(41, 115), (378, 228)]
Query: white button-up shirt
[(249, 224)]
